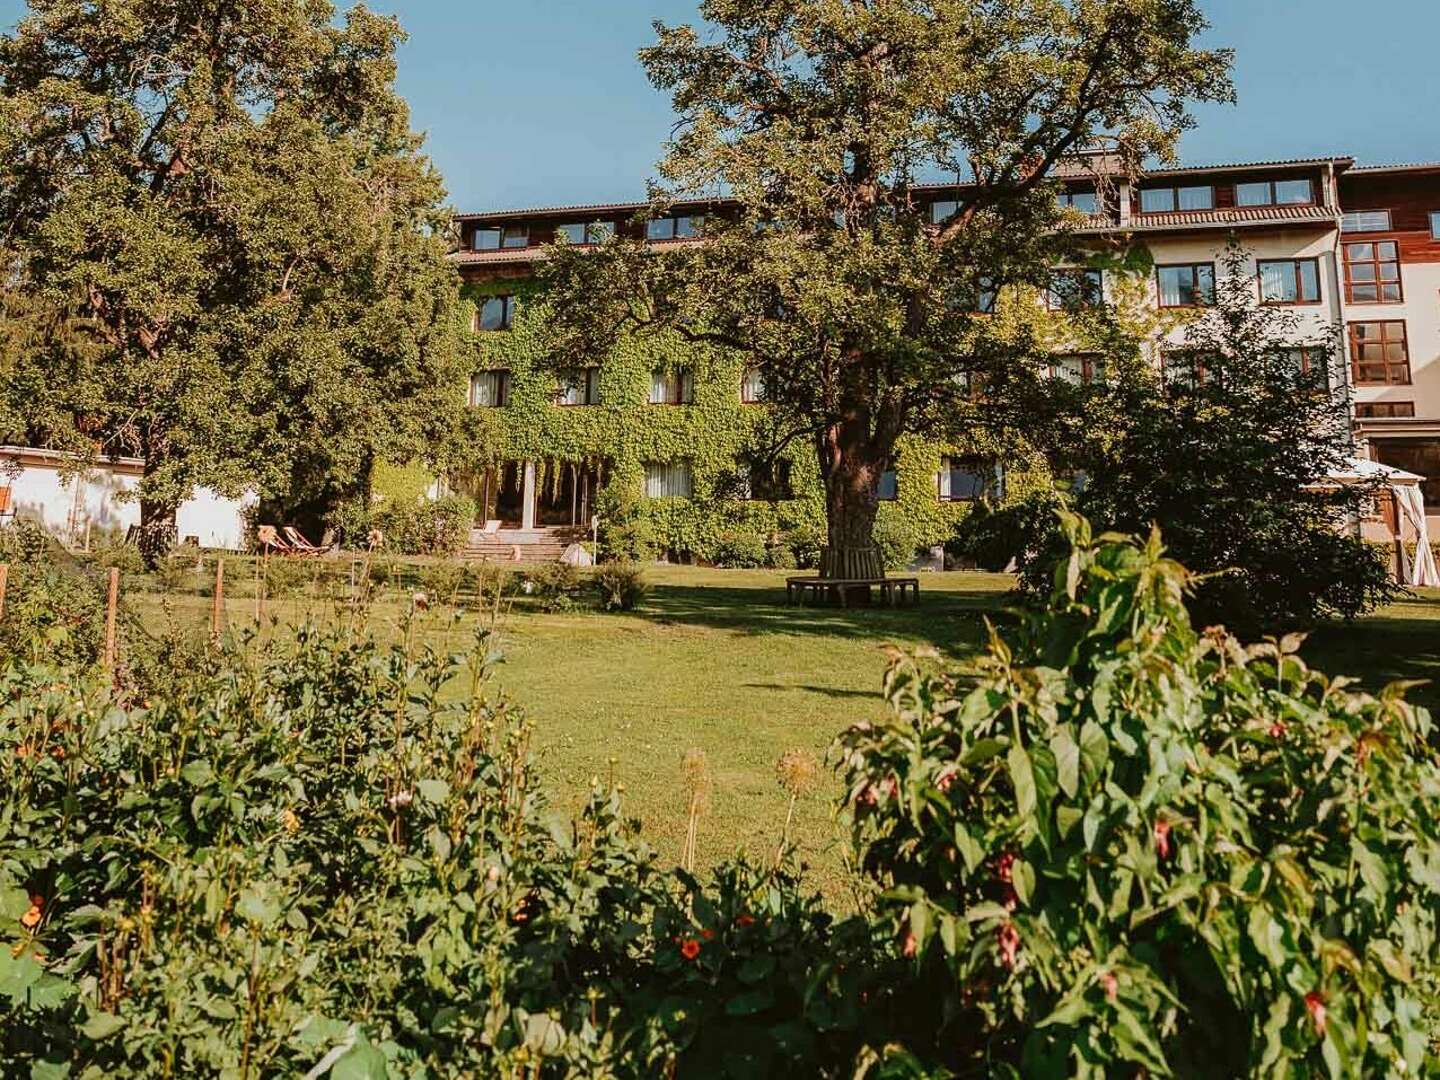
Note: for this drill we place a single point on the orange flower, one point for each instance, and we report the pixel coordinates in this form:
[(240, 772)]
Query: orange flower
[(708, 934), (690, 948), (1162, 839), (31, 918), (1111, 984), (1315, 1006), (745, 920)]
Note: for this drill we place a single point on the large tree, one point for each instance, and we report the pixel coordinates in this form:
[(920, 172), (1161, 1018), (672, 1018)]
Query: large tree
[(819, 118), (229, 193)]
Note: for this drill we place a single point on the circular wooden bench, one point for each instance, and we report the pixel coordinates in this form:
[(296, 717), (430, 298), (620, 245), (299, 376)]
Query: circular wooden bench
[(894, 591)]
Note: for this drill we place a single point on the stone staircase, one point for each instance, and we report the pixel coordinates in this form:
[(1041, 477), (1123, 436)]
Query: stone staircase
[(530, 545)]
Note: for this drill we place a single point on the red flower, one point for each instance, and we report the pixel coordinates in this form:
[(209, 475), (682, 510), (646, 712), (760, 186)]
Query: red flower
[(1277, 730), (1009, 940), (1111, 984), (1004, 868), (708, 934), (745, 920), (910, 946), (1315, 1006), (690, 948), (1162, 839)]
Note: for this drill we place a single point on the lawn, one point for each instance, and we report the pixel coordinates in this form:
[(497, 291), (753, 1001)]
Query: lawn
[(716, 662)]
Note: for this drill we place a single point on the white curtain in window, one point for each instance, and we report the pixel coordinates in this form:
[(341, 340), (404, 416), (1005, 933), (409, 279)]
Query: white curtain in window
[(668, 480), (487, 389), (1172, 294), (1275, 281), (1196, 198)]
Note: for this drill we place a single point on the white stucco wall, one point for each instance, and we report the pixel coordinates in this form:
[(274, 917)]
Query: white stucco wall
[(66, 505)]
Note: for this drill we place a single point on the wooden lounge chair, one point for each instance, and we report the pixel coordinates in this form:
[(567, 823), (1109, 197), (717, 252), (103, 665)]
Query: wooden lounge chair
[(270, 540), (300, 545)]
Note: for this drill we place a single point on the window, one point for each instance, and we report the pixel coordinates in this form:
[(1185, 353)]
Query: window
[(1302, 360), (1275, 193), (752, 387), (1372, 273), (1186, 367), (495, 238), (965, 479), (1385, 410), (1191, 285), (1074, 288), (1435, 224), (1379, 354), (1087, 202), (675, 387), (682, 227), (766, 481), (578, 386), (496, 313), (490, 389), (1078, 369), (668, 480), (1420, 456), (1289, 281), (889, 488), (943, 210), (1165, 200), (596, 232), (1366, 221)]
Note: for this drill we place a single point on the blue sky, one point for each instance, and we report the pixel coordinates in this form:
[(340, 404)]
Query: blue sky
[(533, 102)]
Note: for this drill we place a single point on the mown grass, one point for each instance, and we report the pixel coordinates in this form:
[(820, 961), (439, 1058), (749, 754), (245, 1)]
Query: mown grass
[(715, 661)]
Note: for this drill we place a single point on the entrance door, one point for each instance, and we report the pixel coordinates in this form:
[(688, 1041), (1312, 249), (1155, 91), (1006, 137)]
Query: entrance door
[(498, 492), (565, 494)]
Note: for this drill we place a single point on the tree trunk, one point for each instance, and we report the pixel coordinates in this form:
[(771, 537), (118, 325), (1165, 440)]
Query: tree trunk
[(852, 498), (157, 531)]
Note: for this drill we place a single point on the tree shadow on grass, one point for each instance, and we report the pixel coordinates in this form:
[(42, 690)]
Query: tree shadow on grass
[(824, 691), (952, 620), (1404, 643)]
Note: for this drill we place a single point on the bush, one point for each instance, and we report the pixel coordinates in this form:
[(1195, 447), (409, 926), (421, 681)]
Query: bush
[(897, 540), (740, 547), (806, 543), (53, 614), (621, 585), (428, 527), (555, 585), (1115, 845)]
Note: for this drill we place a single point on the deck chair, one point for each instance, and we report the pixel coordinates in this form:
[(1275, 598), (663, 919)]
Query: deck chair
[(300, 545), (270, 541), (490, 528)]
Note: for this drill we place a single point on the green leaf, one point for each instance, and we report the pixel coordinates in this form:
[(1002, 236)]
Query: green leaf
[(1022, 876), (1022, 776), (433, 790), (756, 968), (1067, 759), (197, 773), (750, 1002), (983, 751), (102, 1025), (544, 1034), (17, 975), (361, 1062), (1094, 751)]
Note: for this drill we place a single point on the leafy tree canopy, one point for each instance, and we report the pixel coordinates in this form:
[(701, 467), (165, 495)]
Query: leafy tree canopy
[(230, 194), (821, 118)]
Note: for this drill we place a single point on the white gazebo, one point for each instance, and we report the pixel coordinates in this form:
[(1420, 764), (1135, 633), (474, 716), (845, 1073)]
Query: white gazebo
[(1408, 526)]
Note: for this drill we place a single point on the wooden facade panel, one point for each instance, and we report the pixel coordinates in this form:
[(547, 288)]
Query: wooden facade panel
[(1410, 200)]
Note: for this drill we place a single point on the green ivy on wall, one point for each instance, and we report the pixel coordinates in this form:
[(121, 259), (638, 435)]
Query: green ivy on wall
[(715, 433)]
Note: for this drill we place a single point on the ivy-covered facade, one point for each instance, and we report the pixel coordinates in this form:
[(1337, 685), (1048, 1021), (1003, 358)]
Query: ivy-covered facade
[(665, 444)]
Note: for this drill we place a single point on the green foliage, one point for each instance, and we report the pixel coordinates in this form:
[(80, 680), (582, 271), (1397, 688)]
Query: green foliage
[(284, 337), (621, 584), (327, 855), (555, 585), (740, 548), (427, 527), (830, 278), (1236, 464), (1115, 844)]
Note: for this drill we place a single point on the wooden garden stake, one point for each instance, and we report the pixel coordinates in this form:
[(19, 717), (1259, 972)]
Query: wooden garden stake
[(111, 606), (217, 607)]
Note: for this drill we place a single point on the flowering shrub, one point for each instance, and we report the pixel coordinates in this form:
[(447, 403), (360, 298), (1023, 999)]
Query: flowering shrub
[(328, 859), (1115, 845)]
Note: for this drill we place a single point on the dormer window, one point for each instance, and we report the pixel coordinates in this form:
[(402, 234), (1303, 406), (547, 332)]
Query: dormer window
[(508, 236), (943, 211), (1275, 193), (680, 227), (1167, 200), (596, 232)]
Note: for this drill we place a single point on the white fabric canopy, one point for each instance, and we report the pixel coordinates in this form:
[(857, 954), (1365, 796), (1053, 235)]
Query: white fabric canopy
[(1422, 570)]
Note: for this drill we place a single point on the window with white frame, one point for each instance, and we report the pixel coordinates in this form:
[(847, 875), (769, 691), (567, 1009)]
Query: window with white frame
[(668, 480), (490, 389), (674, 386), (1359, 221), (966, 479)]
